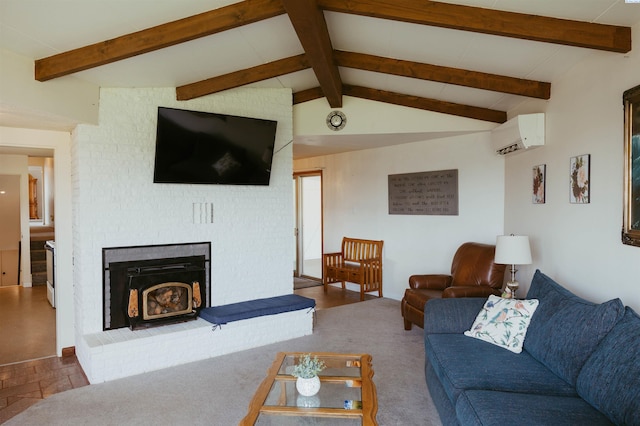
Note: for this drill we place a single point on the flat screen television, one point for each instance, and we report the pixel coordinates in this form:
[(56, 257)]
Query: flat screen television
[(206, 148)]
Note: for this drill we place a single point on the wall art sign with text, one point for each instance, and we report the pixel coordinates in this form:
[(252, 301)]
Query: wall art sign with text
[(424, 193)]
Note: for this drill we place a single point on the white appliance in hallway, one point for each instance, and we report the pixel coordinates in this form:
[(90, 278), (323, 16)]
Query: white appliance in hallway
[(50, 247)]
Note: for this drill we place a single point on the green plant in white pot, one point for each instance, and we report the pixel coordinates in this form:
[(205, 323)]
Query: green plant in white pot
[(306, 371)]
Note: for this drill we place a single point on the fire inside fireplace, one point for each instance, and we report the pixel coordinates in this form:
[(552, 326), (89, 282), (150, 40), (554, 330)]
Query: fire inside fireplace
[(169, 299), (163, 294), (152, 291)]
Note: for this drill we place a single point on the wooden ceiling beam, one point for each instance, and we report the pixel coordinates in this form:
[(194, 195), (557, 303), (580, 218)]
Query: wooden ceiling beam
[(311, 28), (460, 77), (307, 95), (488, 21), (157, 37), (242, 77), (435, 105)]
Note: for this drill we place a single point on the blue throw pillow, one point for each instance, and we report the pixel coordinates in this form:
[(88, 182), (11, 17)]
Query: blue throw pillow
[(610, 379), (566, 329)]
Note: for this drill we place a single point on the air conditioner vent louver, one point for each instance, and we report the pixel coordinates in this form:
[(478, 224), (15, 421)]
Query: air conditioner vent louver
[(508, 149), (519, 134)]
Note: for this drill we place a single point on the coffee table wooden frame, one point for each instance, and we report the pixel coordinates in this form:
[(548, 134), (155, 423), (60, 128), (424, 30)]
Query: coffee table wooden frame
[(368, 391)]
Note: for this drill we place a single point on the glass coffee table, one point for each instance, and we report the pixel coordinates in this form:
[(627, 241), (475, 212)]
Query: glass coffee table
[(347, 394)]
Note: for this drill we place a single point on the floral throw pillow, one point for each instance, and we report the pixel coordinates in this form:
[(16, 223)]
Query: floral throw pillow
[(503, 322)]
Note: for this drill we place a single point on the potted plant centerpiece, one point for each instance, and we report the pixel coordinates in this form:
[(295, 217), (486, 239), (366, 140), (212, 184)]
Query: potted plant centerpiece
[(306, 371)]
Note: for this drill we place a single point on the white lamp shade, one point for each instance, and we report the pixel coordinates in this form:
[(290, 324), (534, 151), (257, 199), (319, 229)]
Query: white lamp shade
[(512, 250)]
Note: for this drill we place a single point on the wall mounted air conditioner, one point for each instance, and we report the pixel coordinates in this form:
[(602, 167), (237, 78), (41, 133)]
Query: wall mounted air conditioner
[(519, 134)]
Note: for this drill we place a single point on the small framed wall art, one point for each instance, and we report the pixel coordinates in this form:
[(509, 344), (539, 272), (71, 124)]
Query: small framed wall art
[(539, 183), (580, 179)]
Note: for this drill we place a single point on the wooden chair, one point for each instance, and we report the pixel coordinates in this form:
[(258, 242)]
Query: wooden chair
[(359, 262)]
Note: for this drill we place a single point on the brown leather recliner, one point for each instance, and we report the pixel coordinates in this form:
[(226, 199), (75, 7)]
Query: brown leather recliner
[(473, 274)]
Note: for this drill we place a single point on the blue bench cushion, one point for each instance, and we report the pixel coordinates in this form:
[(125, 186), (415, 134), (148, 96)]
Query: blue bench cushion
[(491, 408), (462, 362), (566, 329), (255, 308)]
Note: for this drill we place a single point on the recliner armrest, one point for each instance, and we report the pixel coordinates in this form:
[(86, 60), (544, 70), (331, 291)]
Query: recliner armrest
[(430, 281), (470, 291)]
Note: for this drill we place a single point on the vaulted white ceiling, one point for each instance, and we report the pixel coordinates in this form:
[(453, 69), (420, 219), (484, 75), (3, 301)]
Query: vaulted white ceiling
[(38, 29)]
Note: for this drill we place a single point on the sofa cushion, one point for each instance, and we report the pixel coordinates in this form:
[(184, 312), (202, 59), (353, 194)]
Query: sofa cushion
[(451, 315), (566, 329), (487, 408), (462, 363), (445, 408), (503, 322), (610, 379)]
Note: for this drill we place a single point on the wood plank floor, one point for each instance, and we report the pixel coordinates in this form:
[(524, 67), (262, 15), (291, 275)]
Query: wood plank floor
[(335, 296), (22, 384), (27, 324)]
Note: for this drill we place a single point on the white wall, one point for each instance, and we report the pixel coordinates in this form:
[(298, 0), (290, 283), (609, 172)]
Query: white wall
[(60, 143), (356, 203), (55, 103), (13, 169), (19, 165), (579, 245), (117, 204)]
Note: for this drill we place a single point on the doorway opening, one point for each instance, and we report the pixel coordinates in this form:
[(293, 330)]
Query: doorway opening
[(308, 231), (27, 315)]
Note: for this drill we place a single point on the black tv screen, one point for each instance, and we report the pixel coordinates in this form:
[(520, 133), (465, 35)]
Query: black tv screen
[(207, 148)]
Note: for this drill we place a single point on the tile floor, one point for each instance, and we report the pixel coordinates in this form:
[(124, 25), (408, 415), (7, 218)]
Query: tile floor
[(28, 326), (25, 383)]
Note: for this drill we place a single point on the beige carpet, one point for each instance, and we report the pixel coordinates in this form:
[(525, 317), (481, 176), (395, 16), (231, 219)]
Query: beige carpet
[(218, 391)]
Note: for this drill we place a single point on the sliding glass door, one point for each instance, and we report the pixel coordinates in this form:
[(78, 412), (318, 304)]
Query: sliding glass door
[(307, 189)]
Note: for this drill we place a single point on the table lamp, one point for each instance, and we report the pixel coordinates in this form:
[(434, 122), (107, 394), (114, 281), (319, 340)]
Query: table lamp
[(512, 250)]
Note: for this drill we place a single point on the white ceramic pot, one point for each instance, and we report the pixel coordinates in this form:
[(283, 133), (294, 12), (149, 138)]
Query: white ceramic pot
[(308, 387)]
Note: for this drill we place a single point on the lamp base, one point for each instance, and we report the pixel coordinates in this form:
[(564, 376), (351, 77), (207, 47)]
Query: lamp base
[(512, 288), (512, 285)]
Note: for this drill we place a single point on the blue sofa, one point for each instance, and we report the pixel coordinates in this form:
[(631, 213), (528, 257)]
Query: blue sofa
[(580, 363)]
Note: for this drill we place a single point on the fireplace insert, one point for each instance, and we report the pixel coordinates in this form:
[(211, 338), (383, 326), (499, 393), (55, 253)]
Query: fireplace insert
[(163, 294), (146, 286)]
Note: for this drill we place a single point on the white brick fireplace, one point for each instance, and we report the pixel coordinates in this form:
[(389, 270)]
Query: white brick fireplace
[(116, 204)]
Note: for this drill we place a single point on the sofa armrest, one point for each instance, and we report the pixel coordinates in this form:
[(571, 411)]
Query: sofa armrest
[(431, 281), (451, 315), (470, 291)]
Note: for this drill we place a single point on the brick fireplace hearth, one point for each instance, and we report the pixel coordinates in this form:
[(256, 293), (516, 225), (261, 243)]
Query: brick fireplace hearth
[(117, 204)]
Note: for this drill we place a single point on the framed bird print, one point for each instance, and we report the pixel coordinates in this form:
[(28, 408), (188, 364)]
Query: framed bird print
[(580, 179), (539, 183)]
